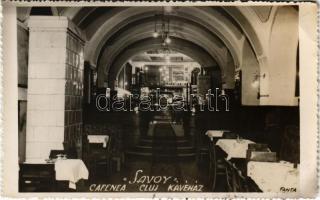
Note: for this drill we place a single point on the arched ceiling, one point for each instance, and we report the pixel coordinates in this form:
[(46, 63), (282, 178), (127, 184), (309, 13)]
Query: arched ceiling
[(110, 30), (229, 23), (211, 20), (179, 30), (182, 46), (231, 37), (219, 31)]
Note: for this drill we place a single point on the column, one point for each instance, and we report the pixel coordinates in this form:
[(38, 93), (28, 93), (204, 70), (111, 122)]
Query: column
[(203, 84), (88, 82), (55, 86)]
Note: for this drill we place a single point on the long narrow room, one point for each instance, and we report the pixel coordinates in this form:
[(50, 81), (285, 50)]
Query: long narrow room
[(158, 99)]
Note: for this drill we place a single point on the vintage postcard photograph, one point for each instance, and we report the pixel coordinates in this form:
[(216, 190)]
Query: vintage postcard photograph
[(160, 100)]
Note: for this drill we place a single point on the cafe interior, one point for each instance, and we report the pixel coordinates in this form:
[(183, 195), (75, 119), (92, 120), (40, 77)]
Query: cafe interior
[(81, 130)]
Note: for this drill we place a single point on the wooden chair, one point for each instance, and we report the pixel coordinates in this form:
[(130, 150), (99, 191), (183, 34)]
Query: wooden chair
[(260, 152), (290, 148), (98, 155), (37, 178), (71, 153), (229, 135), (217, 167)]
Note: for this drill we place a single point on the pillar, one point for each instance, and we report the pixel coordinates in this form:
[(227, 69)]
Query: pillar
[(204, 84), (88, 83), (250, 80), (55, 87)]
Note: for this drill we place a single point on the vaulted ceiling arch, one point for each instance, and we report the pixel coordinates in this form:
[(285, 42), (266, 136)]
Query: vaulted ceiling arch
[(179, 30), (251, 21), (183, 46), (252, 25), (213, 21)]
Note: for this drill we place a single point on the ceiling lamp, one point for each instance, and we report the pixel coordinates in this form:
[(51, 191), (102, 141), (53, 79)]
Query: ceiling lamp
[(155, 34), (167, 40), (168, 9), (162, 28)]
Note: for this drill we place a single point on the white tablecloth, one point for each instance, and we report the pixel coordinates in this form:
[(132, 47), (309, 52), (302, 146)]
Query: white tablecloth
[(272, 176), (214, 133), (234, 148), (71, 170), (35, 161), (99, 139)]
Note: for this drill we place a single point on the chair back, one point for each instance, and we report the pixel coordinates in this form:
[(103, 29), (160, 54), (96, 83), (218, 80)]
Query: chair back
[(260, 152), (258, 147), (110, 144), (229, 135), (290, 148), (54, 153)]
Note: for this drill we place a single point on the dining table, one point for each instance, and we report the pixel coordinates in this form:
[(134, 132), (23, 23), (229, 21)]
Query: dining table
[(234, 148), (214, 134), (71, 170), (99, 139), (274, 176)]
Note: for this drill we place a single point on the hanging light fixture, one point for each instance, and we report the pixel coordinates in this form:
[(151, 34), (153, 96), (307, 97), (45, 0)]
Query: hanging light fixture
[(167, 40), (164, 32), (168, 9), (155, 34)]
